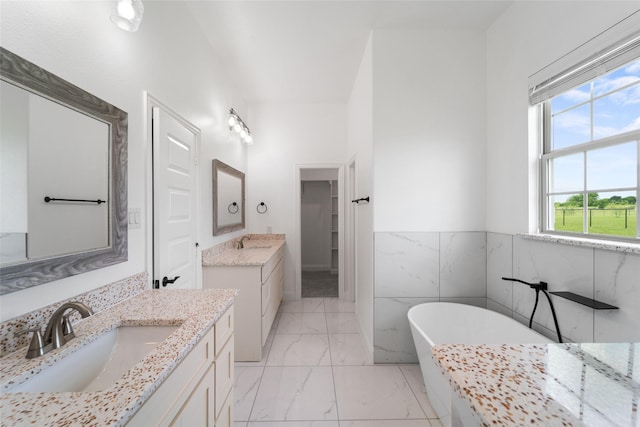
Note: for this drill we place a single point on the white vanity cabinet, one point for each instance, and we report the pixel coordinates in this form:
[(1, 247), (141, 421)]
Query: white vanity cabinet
[(261, 289), (198, 392)]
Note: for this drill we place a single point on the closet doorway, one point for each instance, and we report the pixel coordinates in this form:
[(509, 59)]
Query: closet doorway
[(321, 232)]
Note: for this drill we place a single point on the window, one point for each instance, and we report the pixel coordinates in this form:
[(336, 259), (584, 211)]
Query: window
[(591, 156)]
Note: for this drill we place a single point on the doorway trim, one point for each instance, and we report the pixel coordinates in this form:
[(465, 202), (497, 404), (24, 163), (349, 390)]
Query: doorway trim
[(150, 102), (350, 244), (298, 230)]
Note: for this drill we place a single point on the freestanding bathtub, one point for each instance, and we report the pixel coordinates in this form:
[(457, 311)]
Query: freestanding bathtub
[(450, 323)]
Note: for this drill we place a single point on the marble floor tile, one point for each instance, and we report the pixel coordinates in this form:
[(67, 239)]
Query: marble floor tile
[(374, 393), (240, 424), (336, 305), (387, 423), (299, 350), (413, 376), (349, 349), (303, 305), (295, 394), (302, 323), (295, 424), (342, 323), (247, 380)]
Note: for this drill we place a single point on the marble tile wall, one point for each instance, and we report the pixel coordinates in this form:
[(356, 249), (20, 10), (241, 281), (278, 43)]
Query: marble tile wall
[(609, 276), (467, 267), (416, 267)]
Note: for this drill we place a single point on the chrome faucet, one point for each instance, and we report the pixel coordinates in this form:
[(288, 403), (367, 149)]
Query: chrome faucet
[(241, 241), (59, 330)]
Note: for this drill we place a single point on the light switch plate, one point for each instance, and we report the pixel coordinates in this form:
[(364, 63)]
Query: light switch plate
[(135, 218)]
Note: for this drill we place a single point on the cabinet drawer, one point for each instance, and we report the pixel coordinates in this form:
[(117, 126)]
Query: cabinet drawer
[(224, 329), (163, 405), (198, 409), (224, 375), (271, 264), (271, 288), (266, 296), (225, 419)]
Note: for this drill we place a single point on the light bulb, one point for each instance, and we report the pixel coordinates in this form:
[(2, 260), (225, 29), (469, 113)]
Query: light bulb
[(231, 121), (249, 139), (125, 9), (237, 127), (129, 14), (243, 133)]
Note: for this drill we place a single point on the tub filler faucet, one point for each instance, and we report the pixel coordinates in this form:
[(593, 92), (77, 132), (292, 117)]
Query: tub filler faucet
[(540, 286)]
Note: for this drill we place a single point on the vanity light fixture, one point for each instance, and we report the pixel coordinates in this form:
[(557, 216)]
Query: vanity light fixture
[(128, 14), (238, 126)]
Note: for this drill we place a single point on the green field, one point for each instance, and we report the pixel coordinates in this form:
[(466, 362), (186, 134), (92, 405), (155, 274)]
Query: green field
[(613, 222)]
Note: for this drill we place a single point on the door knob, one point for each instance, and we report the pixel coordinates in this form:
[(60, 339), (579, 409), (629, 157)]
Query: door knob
[(166, 280)]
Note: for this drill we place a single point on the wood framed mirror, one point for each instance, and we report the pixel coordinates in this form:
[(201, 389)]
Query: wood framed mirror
[(68, 150), (228, 199)]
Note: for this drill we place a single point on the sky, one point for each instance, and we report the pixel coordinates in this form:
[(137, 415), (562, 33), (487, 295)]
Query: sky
[(613, 100)]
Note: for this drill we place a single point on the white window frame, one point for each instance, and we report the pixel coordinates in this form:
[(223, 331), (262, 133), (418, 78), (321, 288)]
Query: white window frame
[(614, 47), (548, 154)]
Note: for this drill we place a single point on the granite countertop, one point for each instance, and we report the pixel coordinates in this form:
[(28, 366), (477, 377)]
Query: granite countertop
[(588, 384), (255, 252), (194, 311)]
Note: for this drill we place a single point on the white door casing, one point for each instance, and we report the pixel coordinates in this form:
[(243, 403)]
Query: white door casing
[(350, 244), (297, 241), (175, 252)]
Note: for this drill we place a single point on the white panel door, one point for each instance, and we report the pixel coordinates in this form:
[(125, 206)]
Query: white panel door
[(174, 202)]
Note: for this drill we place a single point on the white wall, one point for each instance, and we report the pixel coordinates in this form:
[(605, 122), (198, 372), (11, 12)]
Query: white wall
[(428, 177), (360, 140), (319, 174), (57, 228), (14, 123), (286, 135), (168, 57), (429, 130), (526, 38)]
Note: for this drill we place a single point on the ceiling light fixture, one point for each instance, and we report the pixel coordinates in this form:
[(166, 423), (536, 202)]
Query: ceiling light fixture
[(128, 14), (238, 126)]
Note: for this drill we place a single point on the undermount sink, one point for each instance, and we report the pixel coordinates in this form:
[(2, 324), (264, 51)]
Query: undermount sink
[(99, 364)]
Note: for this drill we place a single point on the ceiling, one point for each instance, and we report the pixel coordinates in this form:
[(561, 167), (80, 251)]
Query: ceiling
[(304, 51)]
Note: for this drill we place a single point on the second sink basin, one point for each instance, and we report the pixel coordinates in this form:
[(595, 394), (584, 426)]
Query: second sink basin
[(99, 364)]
